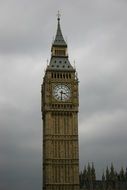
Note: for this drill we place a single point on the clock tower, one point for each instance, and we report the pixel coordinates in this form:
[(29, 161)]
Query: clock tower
[(59, 107)]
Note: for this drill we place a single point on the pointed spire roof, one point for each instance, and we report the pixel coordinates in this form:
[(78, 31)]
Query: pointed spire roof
[(59, 40), (59, 58)]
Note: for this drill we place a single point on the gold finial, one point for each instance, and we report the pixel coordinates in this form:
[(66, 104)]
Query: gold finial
[(58, 15)]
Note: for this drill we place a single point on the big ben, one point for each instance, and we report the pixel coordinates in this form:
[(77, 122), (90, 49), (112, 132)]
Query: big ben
[(60, 101)]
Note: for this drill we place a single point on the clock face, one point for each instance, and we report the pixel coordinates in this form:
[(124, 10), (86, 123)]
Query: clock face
[(61, 92)]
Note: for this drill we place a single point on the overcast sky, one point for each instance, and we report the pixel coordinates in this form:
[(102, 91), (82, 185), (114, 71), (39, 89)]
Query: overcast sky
[(96, 32)]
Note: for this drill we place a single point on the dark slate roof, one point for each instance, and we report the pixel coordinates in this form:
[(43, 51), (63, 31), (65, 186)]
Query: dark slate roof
[(60, 63), (59, 40)]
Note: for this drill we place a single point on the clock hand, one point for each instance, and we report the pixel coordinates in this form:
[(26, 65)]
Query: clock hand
[(65, 93), (61, 92)]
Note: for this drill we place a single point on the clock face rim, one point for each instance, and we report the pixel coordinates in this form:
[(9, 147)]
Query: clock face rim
[(61, 92)]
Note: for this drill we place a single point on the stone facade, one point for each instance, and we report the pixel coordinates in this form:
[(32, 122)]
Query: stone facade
[(60, 120)]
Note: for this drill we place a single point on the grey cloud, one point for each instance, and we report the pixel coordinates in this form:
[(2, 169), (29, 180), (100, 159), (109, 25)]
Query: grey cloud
[(96, 32), (20, 147)]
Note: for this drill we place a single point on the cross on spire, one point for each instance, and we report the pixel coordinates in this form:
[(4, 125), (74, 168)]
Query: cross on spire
[(58, 15)]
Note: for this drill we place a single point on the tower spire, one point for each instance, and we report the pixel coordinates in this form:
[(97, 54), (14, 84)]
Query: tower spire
[(59, 55), (59, 39)]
